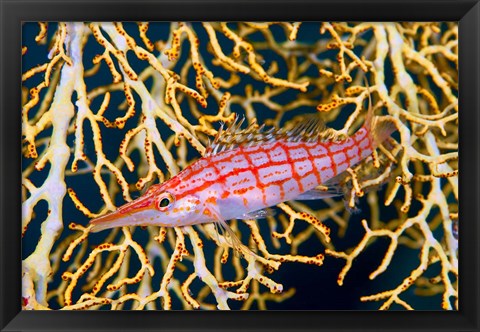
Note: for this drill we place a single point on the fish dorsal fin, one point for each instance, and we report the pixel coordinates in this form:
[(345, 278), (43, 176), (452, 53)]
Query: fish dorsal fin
[(307, 128)]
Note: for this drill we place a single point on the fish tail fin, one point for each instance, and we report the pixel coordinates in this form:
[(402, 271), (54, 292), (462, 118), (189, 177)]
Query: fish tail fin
[(379, 129)]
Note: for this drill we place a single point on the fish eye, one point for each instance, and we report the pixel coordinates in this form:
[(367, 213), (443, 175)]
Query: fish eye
[(164, 201)]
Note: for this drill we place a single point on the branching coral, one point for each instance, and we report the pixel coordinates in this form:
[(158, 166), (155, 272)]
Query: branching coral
[(111, 108)]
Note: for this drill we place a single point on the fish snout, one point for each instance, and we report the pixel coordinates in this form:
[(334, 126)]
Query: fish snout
[(134, 213)]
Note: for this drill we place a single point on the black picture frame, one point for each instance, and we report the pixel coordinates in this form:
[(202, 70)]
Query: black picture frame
[(13, 12)]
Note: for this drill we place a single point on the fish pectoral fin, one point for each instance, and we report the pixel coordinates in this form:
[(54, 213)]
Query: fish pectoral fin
[(319, 194), (259, 214)]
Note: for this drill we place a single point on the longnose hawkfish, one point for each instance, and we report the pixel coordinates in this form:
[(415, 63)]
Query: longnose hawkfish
[(245, 171)]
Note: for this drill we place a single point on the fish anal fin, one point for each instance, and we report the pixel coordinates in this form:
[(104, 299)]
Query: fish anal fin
[(319, 194), (335, 181)]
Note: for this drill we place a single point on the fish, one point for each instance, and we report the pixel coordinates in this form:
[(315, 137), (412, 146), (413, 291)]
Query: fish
[(244, 172)]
